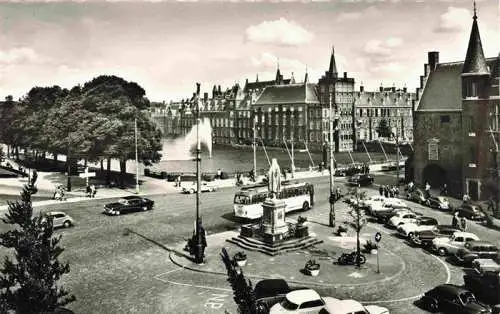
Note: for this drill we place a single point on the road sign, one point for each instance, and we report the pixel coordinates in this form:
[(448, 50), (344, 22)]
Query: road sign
[(87, 175), (378, 236)]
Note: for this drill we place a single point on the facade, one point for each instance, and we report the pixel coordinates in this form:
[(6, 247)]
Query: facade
[(456, 123), (390, 104)]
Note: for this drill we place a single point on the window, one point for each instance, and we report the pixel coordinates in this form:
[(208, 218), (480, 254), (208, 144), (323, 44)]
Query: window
[(311, 304), (433, 150), (445, 119)]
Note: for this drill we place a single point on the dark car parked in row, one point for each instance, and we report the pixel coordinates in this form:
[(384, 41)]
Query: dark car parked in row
[(361, 180), (438, 202), (128, 204), (424, 238), (453, 299), (474, 250), (471, 212)]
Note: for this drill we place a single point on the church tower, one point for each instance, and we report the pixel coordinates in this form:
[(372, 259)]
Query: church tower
[(475, 80)]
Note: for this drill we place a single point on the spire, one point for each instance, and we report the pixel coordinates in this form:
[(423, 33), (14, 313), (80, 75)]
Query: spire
[(257, 78), (333, 66), (306, 78), (475, 63), (292, 79), (278, 74)]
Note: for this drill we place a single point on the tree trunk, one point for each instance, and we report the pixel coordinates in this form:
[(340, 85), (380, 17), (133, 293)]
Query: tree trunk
[(108, 172), (17, 153), (123, 165), (8, 151), (102, 166)]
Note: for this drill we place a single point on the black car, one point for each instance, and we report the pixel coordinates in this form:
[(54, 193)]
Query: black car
[(438, 202), (128, 204), (476, 249), (424, 238), (361, 180), (454, 299), (471, 212)]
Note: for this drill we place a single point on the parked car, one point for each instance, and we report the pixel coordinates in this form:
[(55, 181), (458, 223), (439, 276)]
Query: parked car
[(438, 202), (417, 196), (482, 265), (471, 212), (336, 306), (300, 301), (454, 299), (128, 204), (367, 202), (444, 246), (484, 284), (390, 202), (59, 219), (407, 230), (424, 237), (401, 218), (204, 187), (361, 180), (474, 250)]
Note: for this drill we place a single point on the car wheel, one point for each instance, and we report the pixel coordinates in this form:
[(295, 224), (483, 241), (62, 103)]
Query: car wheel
[(410, 235), (117, 213), (144, 208), (67, 224), (442, 251), (305, 206), (191, 191)]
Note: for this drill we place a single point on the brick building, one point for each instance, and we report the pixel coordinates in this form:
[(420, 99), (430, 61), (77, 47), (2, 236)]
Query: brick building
[(456, 122)]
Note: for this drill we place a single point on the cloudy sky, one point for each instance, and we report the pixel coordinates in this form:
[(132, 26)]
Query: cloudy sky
[(168, 46)]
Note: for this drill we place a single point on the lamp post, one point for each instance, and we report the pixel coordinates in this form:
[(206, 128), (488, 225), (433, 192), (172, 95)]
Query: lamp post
[(332, 179), (396, 137), (199, 232), (136, 159), (254, 147)]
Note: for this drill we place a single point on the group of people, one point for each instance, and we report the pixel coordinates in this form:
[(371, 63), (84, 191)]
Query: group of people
[(59, 193), (459, 222), (388, 191), (91, 191)]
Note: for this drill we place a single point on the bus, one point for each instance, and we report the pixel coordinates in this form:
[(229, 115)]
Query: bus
[(248, 201)]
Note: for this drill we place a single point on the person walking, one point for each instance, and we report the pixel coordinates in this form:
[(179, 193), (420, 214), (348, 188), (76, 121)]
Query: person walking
[(386, 191), (93, 191), (444, 190), (455, 220), (463, 224), (381, 190)]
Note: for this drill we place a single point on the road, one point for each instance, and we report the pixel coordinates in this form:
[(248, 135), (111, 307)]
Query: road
[(118, 271)]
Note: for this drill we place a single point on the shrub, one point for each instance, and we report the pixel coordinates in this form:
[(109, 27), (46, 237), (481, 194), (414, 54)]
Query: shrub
[(312, 265)]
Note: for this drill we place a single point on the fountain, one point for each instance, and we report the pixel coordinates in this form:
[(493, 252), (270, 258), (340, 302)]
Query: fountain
[(180, 149)]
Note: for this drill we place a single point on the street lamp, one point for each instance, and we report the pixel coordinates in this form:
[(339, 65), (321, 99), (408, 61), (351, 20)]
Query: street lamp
[(396, 137), (332, 179)]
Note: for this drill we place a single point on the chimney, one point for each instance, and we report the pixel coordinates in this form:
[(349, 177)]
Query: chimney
[(361, 87), (433, 59), (205, 96), (345, 74), (421, 81), (393, 87), (381, 87)]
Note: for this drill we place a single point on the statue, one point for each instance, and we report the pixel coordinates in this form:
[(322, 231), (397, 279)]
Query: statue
[(274, 182)]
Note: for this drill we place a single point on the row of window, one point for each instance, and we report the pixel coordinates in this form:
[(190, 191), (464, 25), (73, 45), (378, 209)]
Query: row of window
[(383, 112)]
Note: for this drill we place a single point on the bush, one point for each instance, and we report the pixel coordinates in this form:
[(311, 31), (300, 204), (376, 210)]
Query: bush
[(312, 265), (240, 256), (369, 245)]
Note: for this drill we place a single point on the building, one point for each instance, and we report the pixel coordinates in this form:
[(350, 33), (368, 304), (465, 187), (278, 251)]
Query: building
[(395, 106), (456, 122)]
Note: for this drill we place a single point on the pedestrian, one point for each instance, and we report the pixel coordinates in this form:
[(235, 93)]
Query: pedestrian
[(444, 190), (34, 177), (391, 192), (463, 224), (466, 198), (88, 190), (219, 174), (410, 186), (381, 190), (386, 191), (337, 194), (93, 191), (320, 167), (454, 220)]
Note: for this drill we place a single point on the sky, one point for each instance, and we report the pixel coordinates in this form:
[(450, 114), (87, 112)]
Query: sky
[(168, 46)]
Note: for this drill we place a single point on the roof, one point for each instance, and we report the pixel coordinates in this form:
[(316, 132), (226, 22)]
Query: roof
[(345, 306), (289, 94), (301, 296), (442, 92), (475, 63), (262, 84), (383, 99)]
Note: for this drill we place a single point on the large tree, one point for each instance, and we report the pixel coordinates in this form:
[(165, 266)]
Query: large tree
[(383, 129), (358, 218), (28, 282)]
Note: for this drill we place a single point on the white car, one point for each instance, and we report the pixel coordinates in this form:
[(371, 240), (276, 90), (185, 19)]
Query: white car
[(366, 203), (301, 301), (59, 219), (402, 217), (204, 187), (422, 224), (336, 306), (394, 203), (446, 246)]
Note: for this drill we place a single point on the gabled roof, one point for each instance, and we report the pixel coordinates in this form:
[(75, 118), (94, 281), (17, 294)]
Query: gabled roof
[(262, 84), (442, 91), (289, 94)]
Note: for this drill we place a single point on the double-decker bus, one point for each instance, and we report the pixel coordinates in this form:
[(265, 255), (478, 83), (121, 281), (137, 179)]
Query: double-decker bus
[(248, 201)]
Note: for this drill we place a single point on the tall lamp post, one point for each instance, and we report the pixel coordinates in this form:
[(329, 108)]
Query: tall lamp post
[(332, 179), (254, 147), (199, 232), (396, 137), (136, 159)]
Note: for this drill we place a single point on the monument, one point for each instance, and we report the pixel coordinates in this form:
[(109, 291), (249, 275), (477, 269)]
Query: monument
[(274, 234)]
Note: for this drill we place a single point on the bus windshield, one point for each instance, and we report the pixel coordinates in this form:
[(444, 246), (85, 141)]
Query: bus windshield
[(241, 199)]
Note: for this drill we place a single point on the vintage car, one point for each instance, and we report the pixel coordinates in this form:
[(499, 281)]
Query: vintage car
[(407, 230), (59, 219), (128, 204), (444, 246), (471, 212), (336, 306), (454, 299), (361, 180), (424, 238), (417, 196), (476, 281), (438, 202), (204, 187), (401, 218), (474, 250), (300, 301)]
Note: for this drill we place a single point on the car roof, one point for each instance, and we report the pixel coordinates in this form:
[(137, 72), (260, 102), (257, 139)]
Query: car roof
[(131, 197), (301, 296), (345, 306), (449, 288), (54, 213), (464, 234)]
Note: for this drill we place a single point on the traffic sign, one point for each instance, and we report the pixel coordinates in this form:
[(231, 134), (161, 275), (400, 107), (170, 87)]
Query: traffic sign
[(378, 236), (87, 175)]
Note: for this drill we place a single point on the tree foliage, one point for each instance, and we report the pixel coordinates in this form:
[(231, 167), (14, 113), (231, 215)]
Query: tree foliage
[(358, 217), (383, 129), (28, 282)]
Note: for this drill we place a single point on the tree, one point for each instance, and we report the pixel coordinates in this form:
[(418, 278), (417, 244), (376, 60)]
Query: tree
[(28, 284), (358, 218), (383, 129)]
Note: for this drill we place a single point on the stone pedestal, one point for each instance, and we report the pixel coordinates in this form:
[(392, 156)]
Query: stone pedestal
[(274, 226)]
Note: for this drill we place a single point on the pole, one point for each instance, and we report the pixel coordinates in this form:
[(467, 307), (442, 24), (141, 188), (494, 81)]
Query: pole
[(309, 153), (369, 157), (383, 150), (265, 152), (397, 166), (136, 159), (68, 162), (254, 150), (332, 182), (199, 245), (378, 253), (293, 157)]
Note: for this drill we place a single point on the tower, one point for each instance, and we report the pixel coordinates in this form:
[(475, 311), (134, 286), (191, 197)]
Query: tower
[(475, 81)]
